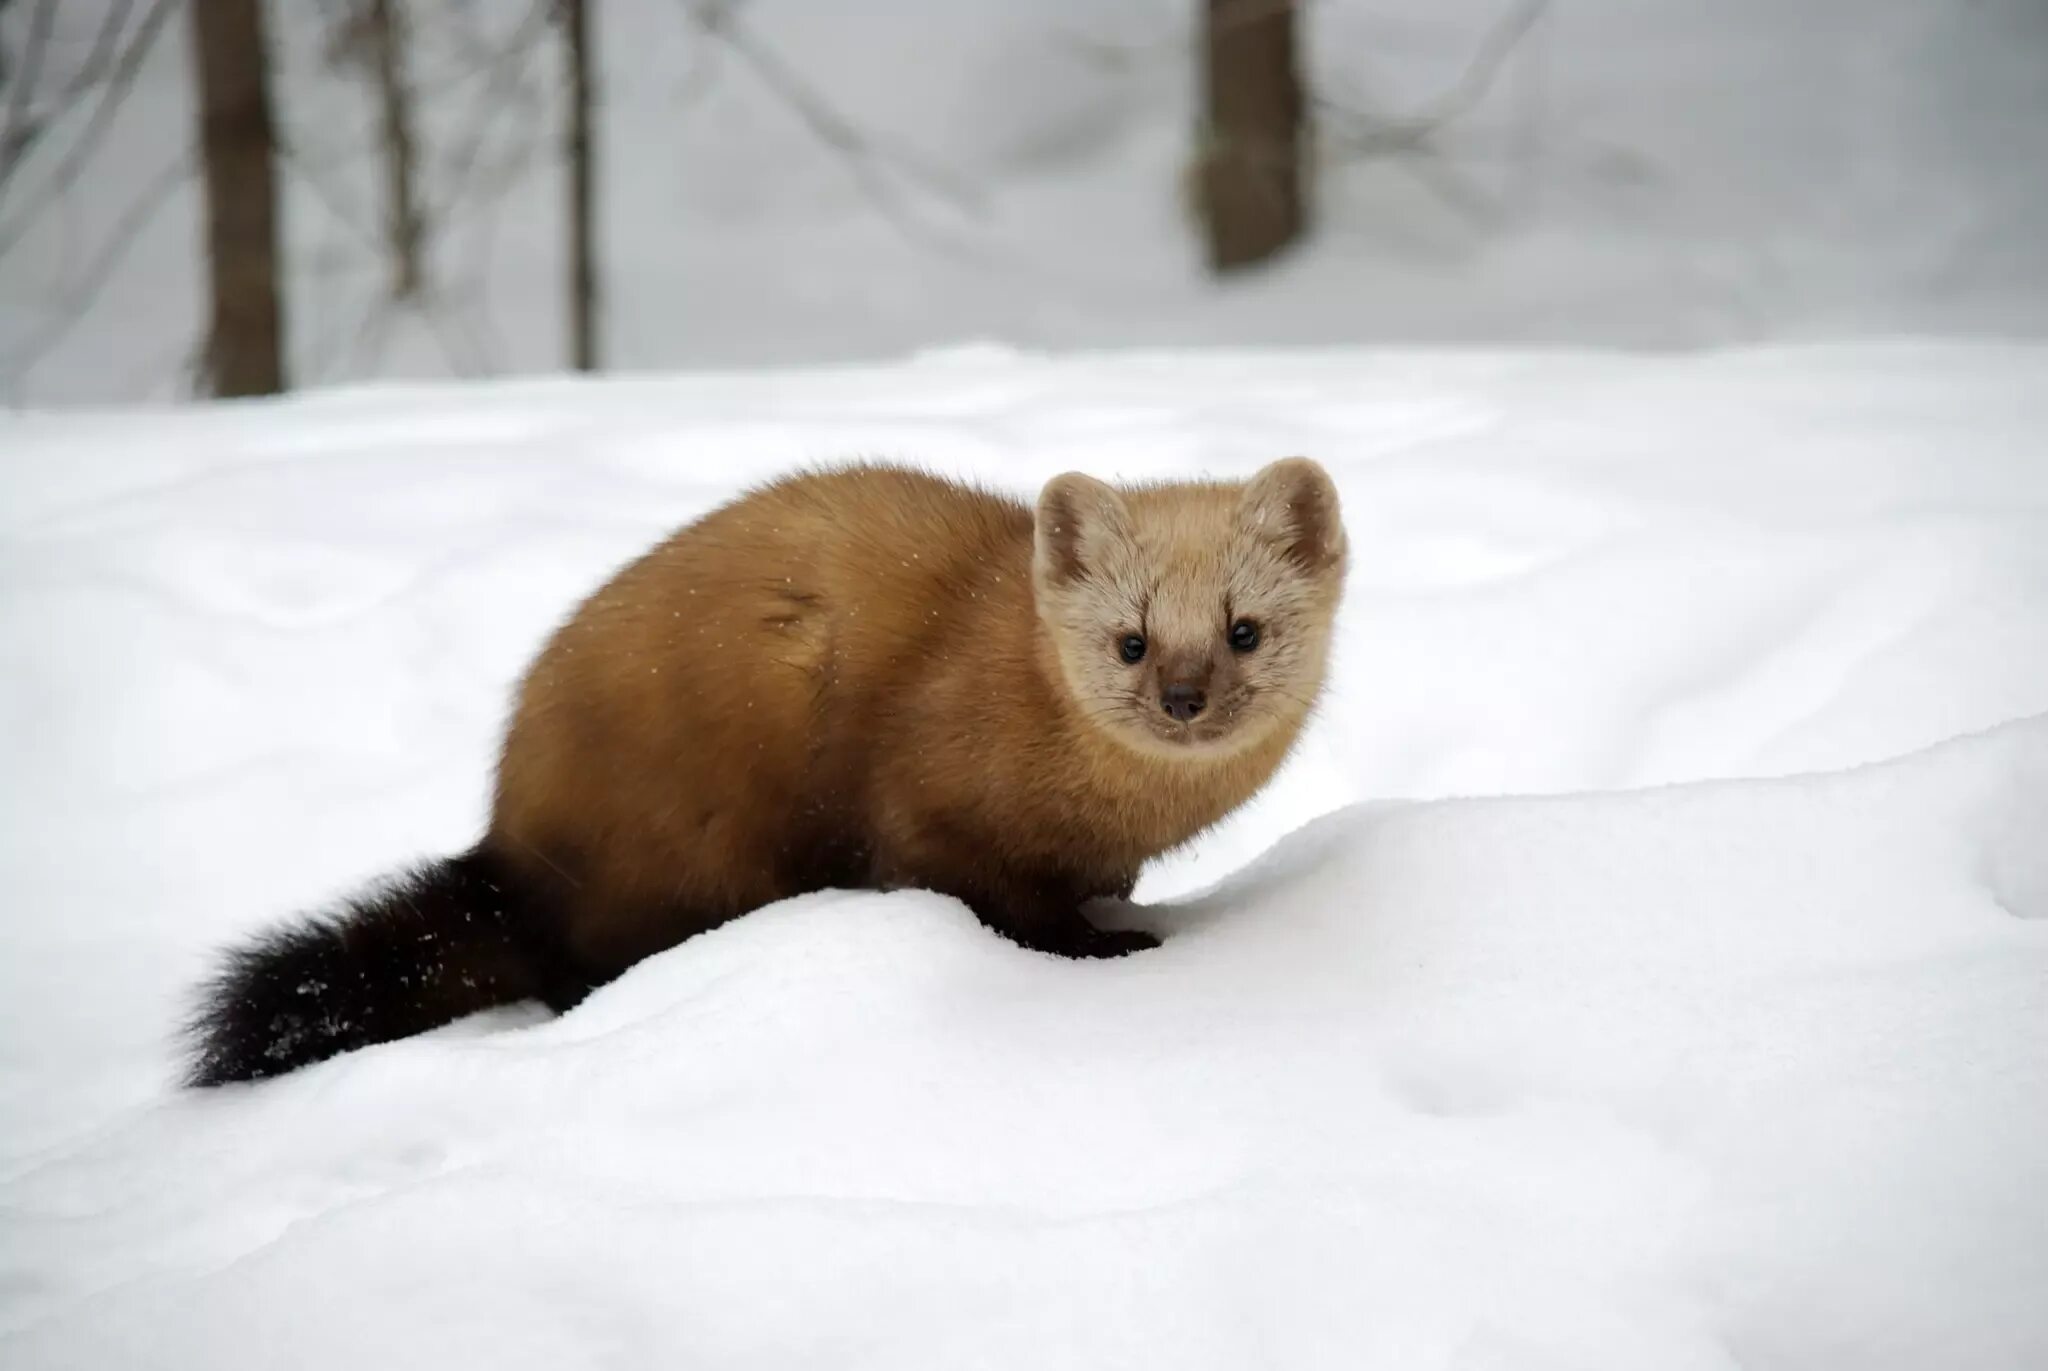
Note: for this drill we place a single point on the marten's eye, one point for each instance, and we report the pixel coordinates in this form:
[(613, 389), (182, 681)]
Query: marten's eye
[(1132, 648), (1244, 636)]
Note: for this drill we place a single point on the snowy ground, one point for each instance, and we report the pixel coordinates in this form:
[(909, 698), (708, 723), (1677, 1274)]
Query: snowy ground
[(1509, 1053)]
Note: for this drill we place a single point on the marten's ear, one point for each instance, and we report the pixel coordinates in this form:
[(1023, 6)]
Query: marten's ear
[(1082, 524), (1292, 504)]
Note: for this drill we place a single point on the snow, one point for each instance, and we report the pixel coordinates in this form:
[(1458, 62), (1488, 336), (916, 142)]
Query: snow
[(1642, 173), (1644, 964)]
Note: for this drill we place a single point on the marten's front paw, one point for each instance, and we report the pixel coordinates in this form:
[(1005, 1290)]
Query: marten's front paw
[(1110, 942)]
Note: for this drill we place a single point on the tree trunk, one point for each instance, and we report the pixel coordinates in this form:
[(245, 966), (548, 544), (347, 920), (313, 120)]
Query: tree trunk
[(402, 228), (582, 242), (1251, 184), (244, 341), (20, 125)]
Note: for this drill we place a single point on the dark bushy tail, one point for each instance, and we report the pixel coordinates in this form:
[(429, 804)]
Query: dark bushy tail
[(423, 949)]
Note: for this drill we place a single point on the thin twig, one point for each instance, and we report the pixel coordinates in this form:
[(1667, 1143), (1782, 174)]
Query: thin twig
[(480, 182), (112, 92), (864, 154), (1374, 136), (377, 314), (19, 131), (405, 228), (104, 43), (487, 201), (127, 228), (295, 161), (1434, 174), (507, 67)]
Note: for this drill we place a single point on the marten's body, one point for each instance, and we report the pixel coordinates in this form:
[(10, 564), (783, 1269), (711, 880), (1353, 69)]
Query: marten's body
[(859, 678)]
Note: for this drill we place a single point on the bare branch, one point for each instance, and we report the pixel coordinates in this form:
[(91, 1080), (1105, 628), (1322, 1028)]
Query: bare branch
[(364, 341), (526, 142), (864, 155), (100, 59), (506, 66), (405, 228), (113, 90), (20, 129), (294, 160), (121, 238), (479, 182), (1372, 136), (1436, 175)]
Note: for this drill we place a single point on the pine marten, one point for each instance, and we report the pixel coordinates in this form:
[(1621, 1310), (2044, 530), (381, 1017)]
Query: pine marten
[(863, 677)]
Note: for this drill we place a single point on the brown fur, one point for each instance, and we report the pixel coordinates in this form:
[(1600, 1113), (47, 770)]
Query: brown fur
[(859, 677)]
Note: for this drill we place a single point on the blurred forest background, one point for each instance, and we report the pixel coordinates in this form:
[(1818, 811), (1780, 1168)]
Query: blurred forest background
[(241, 196)]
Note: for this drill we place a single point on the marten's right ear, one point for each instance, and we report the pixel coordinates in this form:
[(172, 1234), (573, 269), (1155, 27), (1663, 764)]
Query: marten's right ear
[(1292, 504), (1082, 524)]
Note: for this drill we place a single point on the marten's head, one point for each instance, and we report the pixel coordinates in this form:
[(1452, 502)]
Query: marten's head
[(1191, 616)]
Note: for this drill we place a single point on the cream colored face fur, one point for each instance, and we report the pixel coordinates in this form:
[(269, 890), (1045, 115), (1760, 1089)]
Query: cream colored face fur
[(1177, 567)]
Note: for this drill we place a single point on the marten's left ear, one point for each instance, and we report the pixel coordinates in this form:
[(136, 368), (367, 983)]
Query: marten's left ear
[(1083, 527), (1292, 504)]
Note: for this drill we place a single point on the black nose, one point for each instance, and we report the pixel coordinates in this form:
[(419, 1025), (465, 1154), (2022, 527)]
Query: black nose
[(1183, 702)]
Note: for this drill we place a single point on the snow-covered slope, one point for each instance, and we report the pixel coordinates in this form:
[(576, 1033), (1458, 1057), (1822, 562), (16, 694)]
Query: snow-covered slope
[(1601, 1071)]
